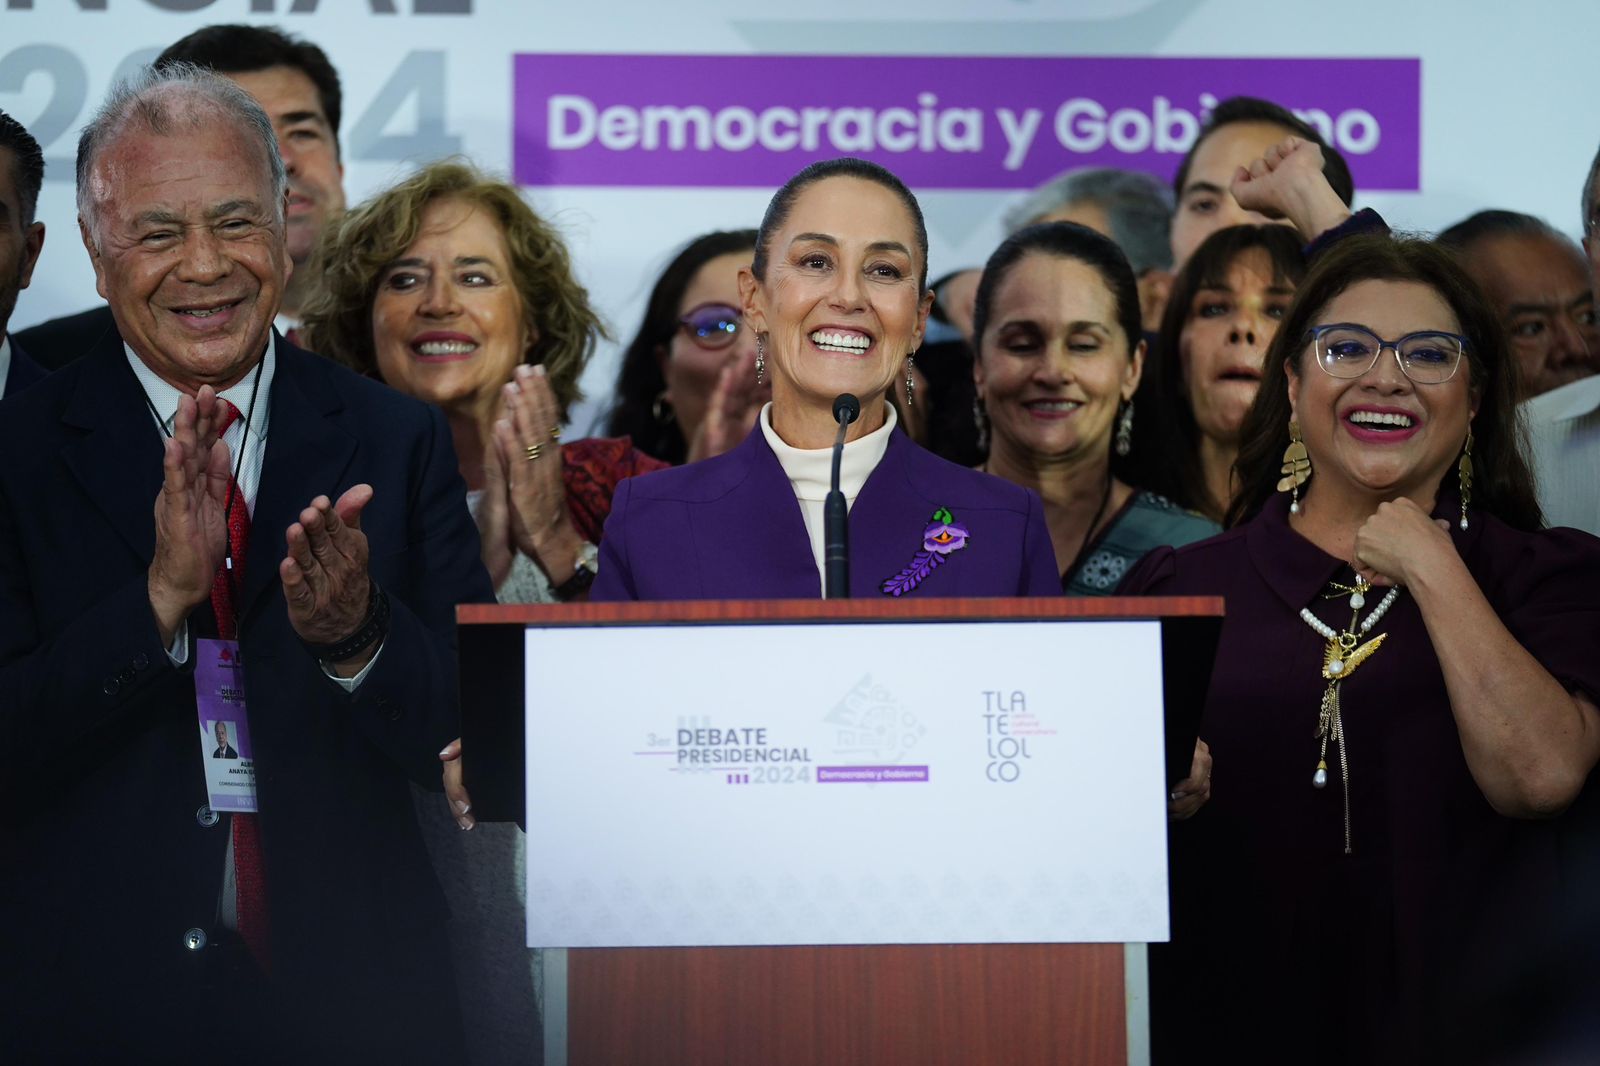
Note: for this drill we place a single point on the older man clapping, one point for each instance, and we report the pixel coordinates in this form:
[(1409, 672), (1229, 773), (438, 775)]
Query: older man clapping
[(308, 534)]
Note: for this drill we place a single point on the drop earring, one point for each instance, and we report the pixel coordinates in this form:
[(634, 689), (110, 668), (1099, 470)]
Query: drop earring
[(980, 418), (761, 358), (1464, 474), (1296, 467), (1125, 429), (910, 385)]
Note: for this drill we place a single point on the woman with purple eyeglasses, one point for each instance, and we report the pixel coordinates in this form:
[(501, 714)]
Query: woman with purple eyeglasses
[(687, 389)]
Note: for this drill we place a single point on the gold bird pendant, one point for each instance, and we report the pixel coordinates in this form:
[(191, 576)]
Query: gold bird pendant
[(1342, 656)]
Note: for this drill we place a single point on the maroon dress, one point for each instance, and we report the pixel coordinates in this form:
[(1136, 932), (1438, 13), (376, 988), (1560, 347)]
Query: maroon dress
[(1284, 947)]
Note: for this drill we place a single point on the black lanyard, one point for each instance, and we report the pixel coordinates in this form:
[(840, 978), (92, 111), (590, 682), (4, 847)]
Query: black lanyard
[(238, 465)]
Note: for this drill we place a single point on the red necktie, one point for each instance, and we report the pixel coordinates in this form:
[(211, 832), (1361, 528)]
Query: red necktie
[(249, 873)]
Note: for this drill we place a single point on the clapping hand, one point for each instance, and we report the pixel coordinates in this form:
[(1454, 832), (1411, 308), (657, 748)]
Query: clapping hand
[(1287, 183), (324, 574), (528, 478), (731, 412), (191, 526)]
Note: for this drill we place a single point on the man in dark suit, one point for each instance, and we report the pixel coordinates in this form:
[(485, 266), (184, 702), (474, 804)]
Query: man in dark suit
[(21, 239), (322, 520), (296, 85)]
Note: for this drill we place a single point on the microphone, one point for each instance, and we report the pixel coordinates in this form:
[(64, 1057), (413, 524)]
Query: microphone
[(835, 515)]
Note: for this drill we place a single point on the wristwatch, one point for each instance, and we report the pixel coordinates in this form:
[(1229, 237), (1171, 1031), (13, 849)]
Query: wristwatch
[(584, 569)]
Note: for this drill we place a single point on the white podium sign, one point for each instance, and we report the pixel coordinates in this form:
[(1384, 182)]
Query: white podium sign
[(878, 783)]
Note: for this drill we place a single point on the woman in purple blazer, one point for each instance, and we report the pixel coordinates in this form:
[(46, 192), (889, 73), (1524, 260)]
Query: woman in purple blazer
[(837, 297)]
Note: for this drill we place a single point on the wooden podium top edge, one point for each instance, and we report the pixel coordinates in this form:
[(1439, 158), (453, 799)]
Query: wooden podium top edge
[(819, 610)]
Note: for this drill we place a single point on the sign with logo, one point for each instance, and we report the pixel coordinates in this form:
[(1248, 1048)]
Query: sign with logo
[(845, 784)]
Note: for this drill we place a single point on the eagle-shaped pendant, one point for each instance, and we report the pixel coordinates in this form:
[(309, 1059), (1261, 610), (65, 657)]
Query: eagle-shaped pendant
[(1342, 656)]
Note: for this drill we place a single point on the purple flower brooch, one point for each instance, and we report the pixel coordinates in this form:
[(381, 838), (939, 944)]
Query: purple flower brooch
[(942, 536)]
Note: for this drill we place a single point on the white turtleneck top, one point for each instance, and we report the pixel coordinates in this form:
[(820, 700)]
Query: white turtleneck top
[(810, 471)]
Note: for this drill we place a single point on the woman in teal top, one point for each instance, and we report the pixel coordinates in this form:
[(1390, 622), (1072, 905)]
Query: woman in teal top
[(1060, 351)]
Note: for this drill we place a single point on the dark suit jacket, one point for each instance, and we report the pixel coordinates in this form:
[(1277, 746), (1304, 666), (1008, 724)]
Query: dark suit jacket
[(731, 528), (116, 857), (225, 753), (24, 371), (62, 341)]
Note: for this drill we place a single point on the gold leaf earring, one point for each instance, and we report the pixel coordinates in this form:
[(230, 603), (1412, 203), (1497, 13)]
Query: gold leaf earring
[(1296, 466), (1464, 473)]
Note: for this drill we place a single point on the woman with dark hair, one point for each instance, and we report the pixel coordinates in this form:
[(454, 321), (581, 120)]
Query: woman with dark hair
[(942, 418), (1060, 351), (1405, 685), (1222, 313), (692, 332), (836, 295)]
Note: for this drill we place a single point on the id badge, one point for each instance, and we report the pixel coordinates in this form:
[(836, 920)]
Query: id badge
[(224, 728)]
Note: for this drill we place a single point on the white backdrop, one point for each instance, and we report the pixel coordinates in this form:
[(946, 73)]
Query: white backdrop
[(1510, 105)]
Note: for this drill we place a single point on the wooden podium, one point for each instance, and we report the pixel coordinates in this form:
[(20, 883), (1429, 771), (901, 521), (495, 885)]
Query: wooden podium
[(902, 1005)]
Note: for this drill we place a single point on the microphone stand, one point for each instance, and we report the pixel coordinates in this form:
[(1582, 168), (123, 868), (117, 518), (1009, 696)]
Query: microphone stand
[(835, 512)]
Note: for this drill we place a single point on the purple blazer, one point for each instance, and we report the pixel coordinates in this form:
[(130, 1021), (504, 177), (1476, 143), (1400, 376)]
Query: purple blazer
[(730, 528)]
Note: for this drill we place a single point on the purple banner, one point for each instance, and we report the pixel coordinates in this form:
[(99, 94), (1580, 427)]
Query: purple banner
[(834, 775), (939, 123)]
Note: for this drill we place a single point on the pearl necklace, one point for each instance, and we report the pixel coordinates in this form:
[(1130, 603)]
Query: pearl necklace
[(1339, 660)]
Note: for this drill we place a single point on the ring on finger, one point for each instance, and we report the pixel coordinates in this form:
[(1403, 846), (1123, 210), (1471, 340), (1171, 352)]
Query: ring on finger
[(555, 432), (533, 451)]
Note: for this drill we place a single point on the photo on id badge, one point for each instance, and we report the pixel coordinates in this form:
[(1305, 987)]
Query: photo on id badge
[(224, 726)]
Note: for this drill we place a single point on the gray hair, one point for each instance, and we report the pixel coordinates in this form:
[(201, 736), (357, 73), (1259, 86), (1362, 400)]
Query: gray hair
[(176, 96), (1138, 207)]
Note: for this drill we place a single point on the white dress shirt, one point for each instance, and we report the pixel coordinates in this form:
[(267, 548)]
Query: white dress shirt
[(1564, 449), (253, 402), (252, 396), (810, 473)]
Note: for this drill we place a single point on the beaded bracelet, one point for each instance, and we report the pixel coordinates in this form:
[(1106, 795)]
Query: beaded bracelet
[(372, 629)]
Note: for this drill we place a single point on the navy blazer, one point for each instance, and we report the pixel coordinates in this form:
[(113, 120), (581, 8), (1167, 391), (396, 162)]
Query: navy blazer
[(111, 853), (24, 372), (731, 528), (62, 341)]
